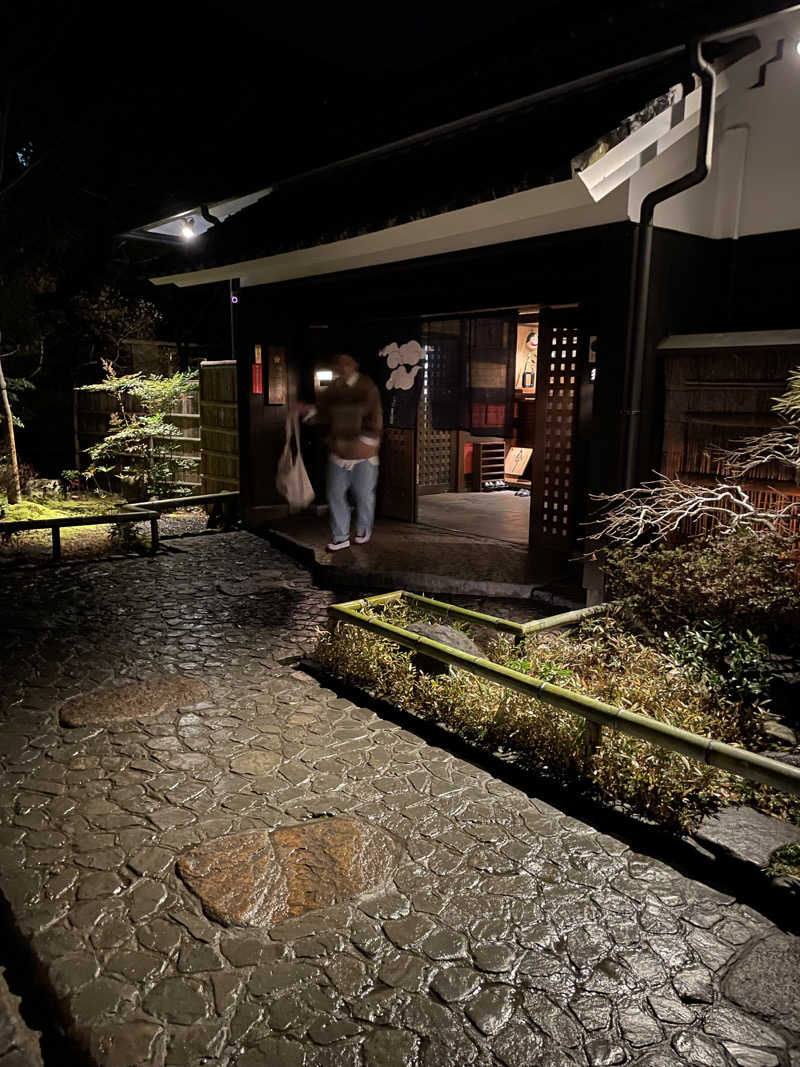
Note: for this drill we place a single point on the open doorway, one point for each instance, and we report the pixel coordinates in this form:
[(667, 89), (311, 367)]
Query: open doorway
[(478, 480)]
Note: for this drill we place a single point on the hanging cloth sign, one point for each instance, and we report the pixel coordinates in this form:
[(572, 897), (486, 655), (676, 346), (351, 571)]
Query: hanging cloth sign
[(404, 363)]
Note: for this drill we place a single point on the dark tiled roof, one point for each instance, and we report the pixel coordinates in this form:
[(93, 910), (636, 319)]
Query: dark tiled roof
[(530, 148)]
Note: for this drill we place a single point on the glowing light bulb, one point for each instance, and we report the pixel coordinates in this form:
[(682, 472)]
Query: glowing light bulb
[(187, 229)]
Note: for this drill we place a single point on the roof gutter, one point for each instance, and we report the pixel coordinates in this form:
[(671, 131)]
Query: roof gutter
[(643, 255)]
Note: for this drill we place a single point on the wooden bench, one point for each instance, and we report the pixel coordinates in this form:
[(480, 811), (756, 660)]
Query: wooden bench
[(109, 519), (225, 503)]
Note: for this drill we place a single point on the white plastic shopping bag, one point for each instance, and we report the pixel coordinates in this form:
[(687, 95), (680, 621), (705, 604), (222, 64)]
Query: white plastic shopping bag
[(292, 480)]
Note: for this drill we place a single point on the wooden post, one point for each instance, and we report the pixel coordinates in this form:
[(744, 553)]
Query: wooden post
[(461, 438), (14, 491), (229, 506), (591, 739), (76, 430), (56, 542), (153, 536)]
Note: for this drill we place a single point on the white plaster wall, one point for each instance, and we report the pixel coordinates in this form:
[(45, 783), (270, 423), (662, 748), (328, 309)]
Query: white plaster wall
[(771, 187), (754, 186), (691, 212)]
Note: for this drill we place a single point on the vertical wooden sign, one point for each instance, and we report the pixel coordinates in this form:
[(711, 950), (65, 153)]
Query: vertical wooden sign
[(277, 375)]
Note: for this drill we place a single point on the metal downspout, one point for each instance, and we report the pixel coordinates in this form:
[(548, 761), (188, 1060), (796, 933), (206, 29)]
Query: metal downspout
[(208, 216), (643, 254)]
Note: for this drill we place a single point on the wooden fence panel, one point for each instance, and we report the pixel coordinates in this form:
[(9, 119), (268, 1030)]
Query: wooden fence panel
[(219, 426), (185, 414), (93, 411)]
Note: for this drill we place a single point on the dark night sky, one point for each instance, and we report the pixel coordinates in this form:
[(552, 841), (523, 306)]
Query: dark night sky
[(147, 108), (128, 112)]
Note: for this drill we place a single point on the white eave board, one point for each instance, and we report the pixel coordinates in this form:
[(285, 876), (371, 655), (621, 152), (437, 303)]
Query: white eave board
[(220, 209), (536, 212), (679, 117)]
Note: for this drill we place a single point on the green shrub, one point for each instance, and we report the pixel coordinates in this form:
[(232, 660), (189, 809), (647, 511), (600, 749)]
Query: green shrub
[(735, 665), (143, 447), (744, 581), (601, 659), (785, 861), (124, 538)]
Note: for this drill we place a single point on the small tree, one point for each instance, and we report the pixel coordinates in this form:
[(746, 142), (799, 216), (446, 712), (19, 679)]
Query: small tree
[(143, 443), (10, 391), (113, 319), (14, 491)]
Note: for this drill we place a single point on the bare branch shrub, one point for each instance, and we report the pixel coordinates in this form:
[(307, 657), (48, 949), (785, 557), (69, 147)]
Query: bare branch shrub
[(780, 446), (658, 510)]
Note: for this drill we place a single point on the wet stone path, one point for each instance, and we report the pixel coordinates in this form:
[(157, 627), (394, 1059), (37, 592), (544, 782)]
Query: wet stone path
[(505, 932)]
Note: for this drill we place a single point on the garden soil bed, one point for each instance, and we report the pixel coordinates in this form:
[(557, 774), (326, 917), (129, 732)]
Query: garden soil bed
[(93, 542)]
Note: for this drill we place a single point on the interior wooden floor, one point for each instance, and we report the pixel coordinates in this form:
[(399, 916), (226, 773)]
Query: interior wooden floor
[(502, 516)]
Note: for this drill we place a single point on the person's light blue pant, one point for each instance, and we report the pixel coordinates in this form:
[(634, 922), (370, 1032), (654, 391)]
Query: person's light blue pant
[(361, 482)]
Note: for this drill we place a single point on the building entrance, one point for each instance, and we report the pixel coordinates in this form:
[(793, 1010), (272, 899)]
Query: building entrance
[(487, 423), (476, 479)]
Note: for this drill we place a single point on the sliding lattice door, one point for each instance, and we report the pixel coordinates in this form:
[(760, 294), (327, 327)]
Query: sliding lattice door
[(557, 502)]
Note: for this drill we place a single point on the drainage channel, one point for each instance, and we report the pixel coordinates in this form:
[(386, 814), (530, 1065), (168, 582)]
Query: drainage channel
[(33, 1026)]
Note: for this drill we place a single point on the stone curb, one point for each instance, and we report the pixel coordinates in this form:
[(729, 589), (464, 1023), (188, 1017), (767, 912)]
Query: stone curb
[(743, 839)]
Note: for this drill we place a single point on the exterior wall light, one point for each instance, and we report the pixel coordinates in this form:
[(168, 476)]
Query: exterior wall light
[(187, 228)]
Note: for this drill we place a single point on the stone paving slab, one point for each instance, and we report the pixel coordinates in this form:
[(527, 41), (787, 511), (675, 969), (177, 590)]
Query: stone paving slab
[(510, 933), (746, 835)]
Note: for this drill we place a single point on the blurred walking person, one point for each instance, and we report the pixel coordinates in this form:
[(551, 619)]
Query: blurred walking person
[(350, 410)]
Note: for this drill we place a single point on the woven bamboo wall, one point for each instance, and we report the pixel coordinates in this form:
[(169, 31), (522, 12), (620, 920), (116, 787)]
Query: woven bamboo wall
[(716, 397), (219, 427)]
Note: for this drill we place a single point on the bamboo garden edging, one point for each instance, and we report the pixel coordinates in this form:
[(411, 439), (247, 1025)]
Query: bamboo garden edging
[(598, 714)]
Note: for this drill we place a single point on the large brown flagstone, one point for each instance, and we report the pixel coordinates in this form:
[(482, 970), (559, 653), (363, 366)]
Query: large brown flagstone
[(256, 878), (237, 878), (124, 701)]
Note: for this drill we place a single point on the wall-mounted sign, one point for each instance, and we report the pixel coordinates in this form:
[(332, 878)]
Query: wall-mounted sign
[(277, 375), (257, 372), (517, 460)]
